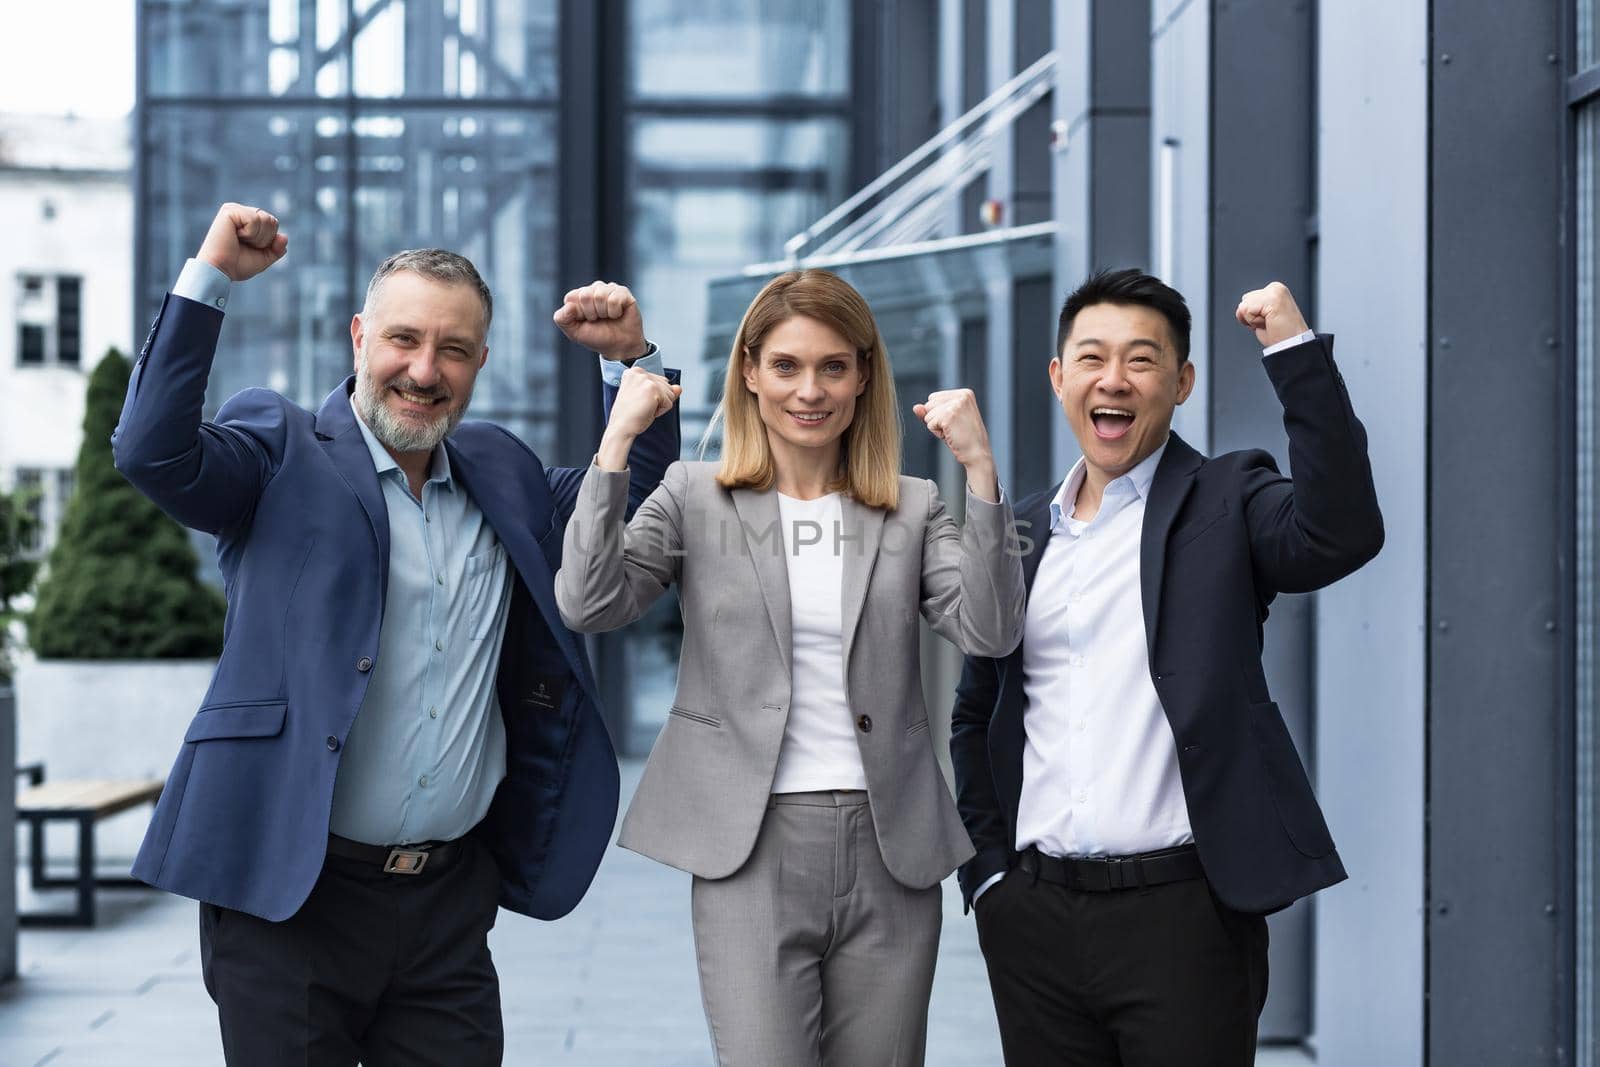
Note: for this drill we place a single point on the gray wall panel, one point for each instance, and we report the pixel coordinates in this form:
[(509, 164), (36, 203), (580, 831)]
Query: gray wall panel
[(1121, 210), (1180, 135), (1261, 191), (1102, 155), (1372, 178), (1497, 859)]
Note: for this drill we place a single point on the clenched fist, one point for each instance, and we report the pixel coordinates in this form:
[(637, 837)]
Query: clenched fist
[(641, 399), (1271, 313), (603, 317), (242, 242), (953, 417)]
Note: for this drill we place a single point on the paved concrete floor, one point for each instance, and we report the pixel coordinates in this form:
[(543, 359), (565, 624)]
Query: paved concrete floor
[(611, 985)]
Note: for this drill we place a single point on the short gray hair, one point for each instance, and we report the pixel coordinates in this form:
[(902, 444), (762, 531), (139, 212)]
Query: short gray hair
[(437, 264)]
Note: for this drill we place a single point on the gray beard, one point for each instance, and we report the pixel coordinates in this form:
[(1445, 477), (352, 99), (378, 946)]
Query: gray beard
[(393, 432)]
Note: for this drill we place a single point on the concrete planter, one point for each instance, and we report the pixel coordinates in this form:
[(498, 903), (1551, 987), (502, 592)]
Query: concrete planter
[(8, 840), (106, 719)]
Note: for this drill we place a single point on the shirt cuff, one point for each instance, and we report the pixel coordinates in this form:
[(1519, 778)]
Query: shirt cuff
[(612, 369), (1298, 339), (204, 284), (988, 883)]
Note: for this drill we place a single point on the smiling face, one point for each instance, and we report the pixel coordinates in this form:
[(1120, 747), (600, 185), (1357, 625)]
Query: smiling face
[(1118, 378), (805, 378), (419, 344)]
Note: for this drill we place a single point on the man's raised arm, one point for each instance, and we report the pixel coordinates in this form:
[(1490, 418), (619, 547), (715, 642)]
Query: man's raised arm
[(1310, 531), (205, 475)]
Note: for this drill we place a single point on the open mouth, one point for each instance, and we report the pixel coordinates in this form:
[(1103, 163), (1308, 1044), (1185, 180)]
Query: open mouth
[(809, 418), (417, 402), (1111, 423)]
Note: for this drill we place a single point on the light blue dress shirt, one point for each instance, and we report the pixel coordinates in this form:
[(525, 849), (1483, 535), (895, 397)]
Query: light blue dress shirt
[(428, 747)]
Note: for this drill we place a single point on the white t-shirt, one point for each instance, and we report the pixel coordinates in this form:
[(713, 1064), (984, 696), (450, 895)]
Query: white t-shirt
[(819, 741)]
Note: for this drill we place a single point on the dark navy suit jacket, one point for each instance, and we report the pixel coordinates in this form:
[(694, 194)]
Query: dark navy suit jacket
[(1221, 538), (303, 543)]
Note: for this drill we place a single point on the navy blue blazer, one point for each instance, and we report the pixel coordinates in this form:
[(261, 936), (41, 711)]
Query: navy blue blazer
[(303, 544), (1222, 537)]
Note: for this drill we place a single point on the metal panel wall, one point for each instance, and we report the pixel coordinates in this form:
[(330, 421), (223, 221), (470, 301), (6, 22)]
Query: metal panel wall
[(1499, 853), (1102, 154), (1001, 183), (895, 83), (1372, 174), (1261, 203), (1180, 135)]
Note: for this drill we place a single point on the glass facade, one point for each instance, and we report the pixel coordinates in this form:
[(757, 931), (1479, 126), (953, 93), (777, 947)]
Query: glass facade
[(366, 127), (738, 138)]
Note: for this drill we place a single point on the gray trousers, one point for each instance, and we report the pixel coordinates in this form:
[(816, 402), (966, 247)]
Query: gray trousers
[(811, 953)]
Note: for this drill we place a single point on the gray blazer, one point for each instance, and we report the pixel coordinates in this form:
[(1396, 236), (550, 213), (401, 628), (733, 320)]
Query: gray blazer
[(704, 791)]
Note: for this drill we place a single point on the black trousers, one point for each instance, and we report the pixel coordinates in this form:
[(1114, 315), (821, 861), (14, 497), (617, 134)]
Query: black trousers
[(1158, 977), (377, 968)]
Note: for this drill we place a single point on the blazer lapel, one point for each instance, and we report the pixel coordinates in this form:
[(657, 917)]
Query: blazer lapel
[(1007, 719), (1038, 531), (1168, 490), (861, 536), (341, 439), (763, 534), (514, 524)]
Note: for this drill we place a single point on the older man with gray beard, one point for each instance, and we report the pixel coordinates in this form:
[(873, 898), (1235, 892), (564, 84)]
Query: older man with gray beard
[(401, 734)]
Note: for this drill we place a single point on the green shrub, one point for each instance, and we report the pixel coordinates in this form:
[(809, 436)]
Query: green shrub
[(121, 580), (16, 572)]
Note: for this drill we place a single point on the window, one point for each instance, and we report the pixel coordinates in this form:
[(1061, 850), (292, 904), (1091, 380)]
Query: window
[(69, 292), (31, 312), (49, 320), (30, 487), (45, 494)]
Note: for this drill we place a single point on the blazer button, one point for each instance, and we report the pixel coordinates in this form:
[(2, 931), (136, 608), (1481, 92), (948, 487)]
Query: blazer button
[(864, 724), (333, 743), (364, 664)]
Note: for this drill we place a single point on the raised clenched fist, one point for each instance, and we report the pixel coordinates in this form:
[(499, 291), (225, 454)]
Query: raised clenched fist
[(953, 416), (603, 317), (641, 399), (1272, 313), (243, 241)]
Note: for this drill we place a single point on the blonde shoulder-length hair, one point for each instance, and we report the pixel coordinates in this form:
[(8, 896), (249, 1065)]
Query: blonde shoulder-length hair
[(870, 465)]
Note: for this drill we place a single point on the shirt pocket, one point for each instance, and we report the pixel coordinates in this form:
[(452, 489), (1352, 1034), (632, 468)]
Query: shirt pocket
[(483, 590)]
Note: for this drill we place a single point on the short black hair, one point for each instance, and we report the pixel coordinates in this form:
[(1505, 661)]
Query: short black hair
[(1130, 286)]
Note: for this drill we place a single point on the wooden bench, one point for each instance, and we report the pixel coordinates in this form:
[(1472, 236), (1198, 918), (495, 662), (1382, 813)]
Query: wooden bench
[(86, 802)]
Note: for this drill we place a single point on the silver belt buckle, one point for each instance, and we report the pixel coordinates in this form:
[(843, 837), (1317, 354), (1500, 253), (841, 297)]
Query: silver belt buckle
[(406, 861)]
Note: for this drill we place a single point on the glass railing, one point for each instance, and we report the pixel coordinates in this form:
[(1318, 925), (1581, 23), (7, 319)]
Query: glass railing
[(901, 240), (915, 200), (931, 301)]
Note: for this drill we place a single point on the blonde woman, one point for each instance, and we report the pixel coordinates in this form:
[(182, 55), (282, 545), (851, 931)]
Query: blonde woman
[(795, 777)]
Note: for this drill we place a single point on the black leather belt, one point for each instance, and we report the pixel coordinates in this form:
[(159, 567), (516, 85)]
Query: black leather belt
[(1104, 874), (397, 859)]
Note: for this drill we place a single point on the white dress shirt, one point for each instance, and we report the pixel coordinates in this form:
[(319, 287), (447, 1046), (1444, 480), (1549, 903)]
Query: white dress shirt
[(819, 748), (1099, 767)]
